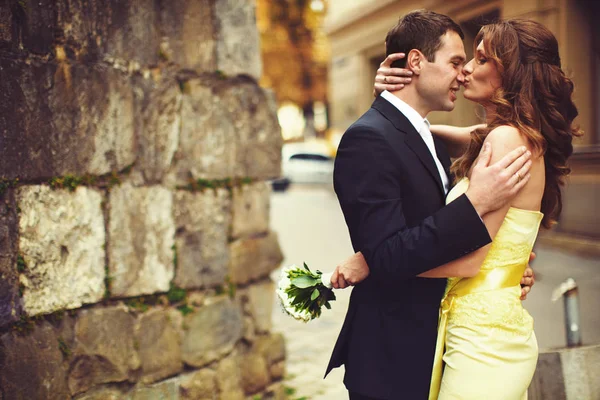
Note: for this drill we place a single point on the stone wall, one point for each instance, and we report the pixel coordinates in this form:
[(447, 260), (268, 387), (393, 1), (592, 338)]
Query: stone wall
[(135, 248)]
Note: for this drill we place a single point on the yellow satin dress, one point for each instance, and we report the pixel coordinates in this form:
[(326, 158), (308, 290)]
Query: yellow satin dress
[(486, 347)]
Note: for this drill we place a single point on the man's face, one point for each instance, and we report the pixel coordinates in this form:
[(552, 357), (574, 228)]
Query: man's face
[(440, 80)]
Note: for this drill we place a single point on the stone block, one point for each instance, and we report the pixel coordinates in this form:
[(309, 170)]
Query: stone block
[(104, 349), (277, 370), (88, 31), (580, 371), (27, 29), (229, 130), (185, 40), (212, 331), (272, 348), (567, 374), (199, 385), (141, 237), (208, 141), (6, 28), (255, 373), (253, 111), (229, 378), (158, 106), (62, 243), (254, 258), (249, 329), (83, 120), (202, 224), (32, 366), (275, 391), (250, 210), (131, 30), (10, 301), (260, 304), (166, 390), (102, 393), (238, 40), (159, 346)]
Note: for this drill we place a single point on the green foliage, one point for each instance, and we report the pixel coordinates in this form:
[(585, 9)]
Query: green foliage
[(185, 87), (56, 317), (176, 294), (220, 74), (107, 282), (21, 265), (185, 309), (289, 391), (23, 5), (6, 184), (138, 303), (114, 180), (24, 325), (307, 292), (231, 287), (174, 248), (257, 397), (199, 185), (64, 349), (71, 182), (127, 169)]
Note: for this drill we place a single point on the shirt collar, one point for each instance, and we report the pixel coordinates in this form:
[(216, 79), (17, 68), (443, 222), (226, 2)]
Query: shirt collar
[(413, 116)]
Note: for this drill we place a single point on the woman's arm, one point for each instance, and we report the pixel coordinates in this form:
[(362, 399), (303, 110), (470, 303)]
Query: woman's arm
[(391, 79), (503, 140), (456, 138)]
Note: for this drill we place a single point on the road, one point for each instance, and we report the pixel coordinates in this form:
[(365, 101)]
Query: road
[(311, 229)]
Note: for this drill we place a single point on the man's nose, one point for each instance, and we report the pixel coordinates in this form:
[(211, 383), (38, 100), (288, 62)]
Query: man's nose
[(460, 77)]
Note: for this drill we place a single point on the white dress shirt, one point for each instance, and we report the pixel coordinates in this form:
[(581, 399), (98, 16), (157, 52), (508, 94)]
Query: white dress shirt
[(422, 126)]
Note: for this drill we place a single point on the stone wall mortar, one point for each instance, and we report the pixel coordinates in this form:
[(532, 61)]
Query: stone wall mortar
[(134, 231)]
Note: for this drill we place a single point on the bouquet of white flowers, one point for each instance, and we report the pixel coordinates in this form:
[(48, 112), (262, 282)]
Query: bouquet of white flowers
[(303, 293)]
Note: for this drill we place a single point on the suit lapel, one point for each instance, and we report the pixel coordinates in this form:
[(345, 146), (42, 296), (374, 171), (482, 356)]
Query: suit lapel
[(412, 138)]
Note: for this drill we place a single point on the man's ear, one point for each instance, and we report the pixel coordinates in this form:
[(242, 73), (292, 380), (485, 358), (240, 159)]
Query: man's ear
[(414, 61)]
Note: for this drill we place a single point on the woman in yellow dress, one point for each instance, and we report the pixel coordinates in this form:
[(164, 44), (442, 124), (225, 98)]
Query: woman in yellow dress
[(486, 347)]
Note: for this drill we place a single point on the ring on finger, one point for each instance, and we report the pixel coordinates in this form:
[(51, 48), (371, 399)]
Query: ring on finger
[(385, 79), (518, 177)]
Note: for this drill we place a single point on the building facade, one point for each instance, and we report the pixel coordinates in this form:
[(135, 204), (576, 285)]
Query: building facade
[(357, 33)]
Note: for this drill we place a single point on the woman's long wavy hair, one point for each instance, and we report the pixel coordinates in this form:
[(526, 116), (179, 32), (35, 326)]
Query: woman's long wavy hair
[(535, 97)]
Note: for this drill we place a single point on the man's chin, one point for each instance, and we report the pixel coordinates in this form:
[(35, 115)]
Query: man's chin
[(448, 106)]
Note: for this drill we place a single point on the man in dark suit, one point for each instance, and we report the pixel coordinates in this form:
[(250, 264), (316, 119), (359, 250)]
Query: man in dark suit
[(391, 178)]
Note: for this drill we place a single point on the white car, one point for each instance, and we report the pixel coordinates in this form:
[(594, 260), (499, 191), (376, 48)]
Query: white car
[(307, 162)]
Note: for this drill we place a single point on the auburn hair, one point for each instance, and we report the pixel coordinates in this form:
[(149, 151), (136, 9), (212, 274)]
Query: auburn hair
[(535, 97)]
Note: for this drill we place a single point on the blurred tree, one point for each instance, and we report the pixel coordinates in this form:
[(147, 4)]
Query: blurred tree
[(294, 50)]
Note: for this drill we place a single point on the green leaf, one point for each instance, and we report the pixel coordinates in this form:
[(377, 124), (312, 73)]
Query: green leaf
[(306, 267), (304, 282), (314, 294), (328, 306)]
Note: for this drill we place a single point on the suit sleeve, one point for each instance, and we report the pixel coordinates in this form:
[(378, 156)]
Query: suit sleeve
[(369, 188)]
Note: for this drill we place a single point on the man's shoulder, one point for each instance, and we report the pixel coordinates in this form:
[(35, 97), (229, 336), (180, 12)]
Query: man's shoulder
[(372, 121)]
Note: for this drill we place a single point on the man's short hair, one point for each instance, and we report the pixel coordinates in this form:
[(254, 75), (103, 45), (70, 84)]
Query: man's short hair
[(421, 30)]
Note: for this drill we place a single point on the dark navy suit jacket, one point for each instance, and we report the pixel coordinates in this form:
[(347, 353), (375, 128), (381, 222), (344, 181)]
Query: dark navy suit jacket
[(393, 201)]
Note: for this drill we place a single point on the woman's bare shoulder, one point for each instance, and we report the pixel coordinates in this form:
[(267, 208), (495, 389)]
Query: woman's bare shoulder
[(504, 139)]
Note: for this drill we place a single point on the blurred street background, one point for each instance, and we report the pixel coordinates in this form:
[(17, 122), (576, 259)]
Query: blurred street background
[(320, 58)]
